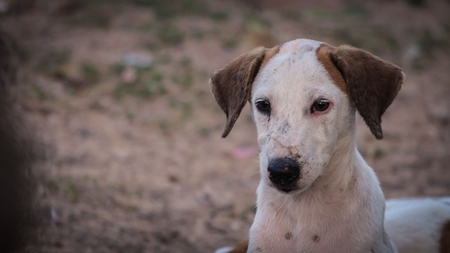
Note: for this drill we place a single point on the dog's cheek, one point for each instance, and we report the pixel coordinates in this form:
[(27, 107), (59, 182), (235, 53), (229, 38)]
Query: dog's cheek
[(263, 163), (306, 180), (262, 123), (324, 143), (312, 164), (308, 176), (262, 139)]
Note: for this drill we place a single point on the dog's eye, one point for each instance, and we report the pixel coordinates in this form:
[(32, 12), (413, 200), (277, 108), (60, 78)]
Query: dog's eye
[(320, 105), (263, 106)]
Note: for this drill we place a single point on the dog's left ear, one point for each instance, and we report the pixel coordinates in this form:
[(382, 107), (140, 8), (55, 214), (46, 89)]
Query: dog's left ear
[(232, 85), (371, 83)]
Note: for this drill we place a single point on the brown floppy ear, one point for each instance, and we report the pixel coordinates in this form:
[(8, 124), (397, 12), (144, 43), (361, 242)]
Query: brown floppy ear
[(232, 84), (372, 83)]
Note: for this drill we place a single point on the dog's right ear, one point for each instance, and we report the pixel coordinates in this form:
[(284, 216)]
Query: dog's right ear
[(232, 85)]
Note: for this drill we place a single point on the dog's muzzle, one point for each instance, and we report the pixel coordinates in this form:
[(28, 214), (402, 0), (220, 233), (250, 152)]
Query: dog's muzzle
[(284, 173)]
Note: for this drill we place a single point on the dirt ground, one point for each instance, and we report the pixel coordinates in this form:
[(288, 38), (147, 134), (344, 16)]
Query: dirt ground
[(129, 156)]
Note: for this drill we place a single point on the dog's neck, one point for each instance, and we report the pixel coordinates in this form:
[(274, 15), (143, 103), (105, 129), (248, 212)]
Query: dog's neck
[(341, 171), (342, 211)]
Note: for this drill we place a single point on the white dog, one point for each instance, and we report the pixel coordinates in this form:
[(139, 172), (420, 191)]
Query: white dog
[(316, 193)]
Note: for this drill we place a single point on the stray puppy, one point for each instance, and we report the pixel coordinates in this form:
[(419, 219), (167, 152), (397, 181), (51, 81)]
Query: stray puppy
[(316, 193)]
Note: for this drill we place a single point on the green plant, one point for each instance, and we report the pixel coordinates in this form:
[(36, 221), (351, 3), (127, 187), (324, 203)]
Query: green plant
[(355, 12), (185, 108), (231, 43), (219, 16), (149, 83), (53, 61), (90, 72), (65, 185), (153, 86), (168, 9), (170, 34), (41, 93)]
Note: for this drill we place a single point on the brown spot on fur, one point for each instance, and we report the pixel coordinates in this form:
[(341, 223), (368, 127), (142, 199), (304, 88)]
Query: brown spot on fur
[(316, 238), (372, 83), (284, 129), (288, 236), (324, 56), (445, 238), (305, 111)]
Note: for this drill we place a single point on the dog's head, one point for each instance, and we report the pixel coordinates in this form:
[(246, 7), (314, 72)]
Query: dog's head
[(304, 95)]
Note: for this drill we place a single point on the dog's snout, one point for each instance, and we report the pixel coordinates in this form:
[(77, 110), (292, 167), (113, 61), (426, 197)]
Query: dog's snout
[(284, 173)]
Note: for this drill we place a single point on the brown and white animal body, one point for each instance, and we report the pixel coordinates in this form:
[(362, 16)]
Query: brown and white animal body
[(316, 193)]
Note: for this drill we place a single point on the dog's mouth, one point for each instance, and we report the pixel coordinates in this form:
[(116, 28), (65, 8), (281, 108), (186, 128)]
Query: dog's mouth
[(284, 188)]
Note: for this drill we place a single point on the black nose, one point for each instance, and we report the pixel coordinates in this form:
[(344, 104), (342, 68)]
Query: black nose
[(284, 172)]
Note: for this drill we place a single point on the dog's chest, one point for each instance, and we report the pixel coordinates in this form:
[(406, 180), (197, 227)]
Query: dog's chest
[(306, 229), (282, 239)]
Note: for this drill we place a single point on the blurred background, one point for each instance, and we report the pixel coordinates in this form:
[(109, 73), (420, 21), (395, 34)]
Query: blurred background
[(125, 134)]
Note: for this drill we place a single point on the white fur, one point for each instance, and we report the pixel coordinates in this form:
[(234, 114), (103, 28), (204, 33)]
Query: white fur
[(415, 224), (338, 206), (224, 250)]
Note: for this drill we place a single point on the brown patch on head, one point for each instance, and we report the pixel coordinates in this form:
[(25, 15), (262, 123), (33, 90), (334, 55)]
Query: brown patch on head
[(232, 84), (324, 56), (240, 247), (445, 238), (370, 82), (270, 52)]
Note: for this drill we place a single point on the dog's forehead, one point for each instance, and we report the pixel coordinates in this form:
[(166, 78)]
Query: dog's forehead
[(299, 46), (295, 68)]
